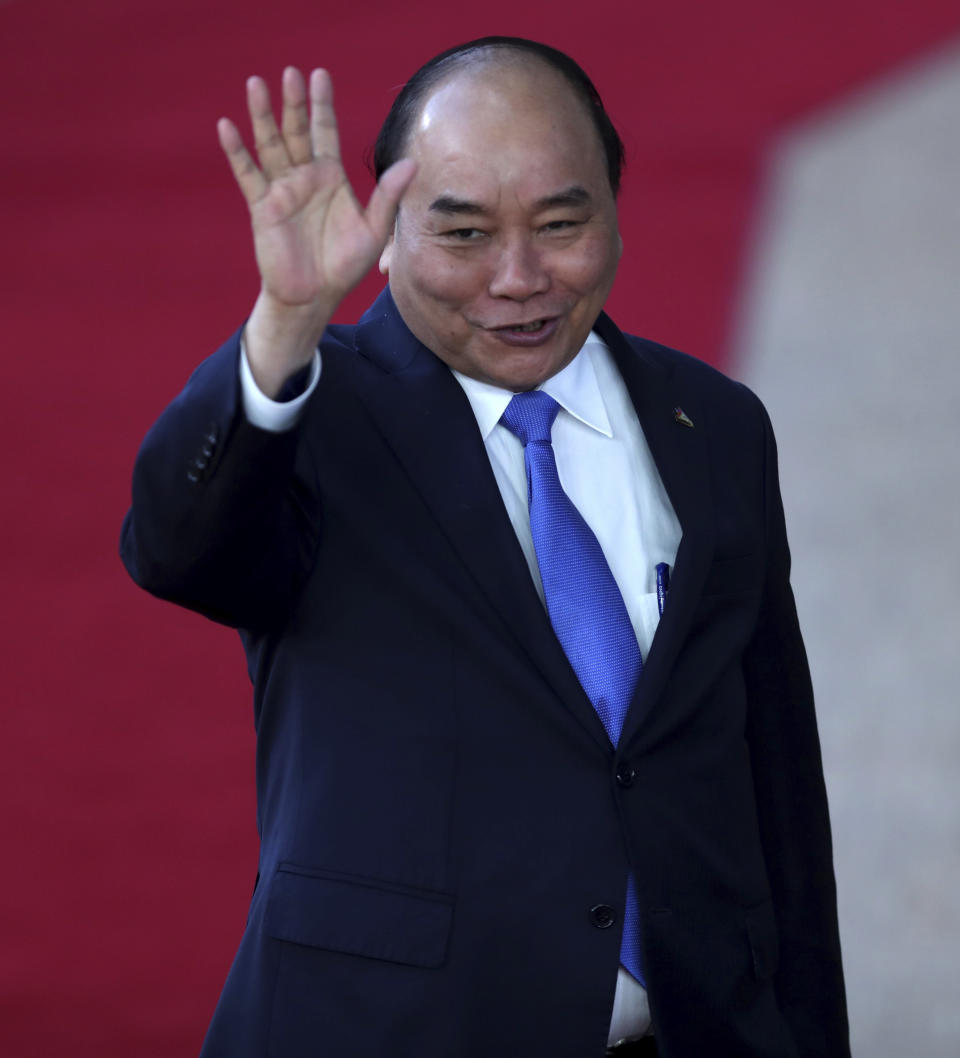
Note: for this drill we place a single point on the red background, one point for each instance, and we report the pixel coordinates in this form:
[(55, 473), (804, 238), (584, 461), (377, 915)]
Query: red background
[(126, 757)]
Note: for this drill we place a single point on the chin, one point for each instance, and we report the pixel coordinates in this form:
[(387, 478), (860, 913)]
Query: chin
[(530, 372), (515, 377)]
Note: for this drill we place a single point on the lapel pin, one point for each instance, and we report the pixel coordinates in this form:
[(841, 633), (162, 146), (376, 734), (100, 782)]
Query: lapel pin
[(681, 417)]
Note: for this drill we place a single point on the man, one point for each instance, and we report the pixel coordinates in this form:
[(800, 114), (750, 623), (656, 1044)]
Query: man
[(504, 808)]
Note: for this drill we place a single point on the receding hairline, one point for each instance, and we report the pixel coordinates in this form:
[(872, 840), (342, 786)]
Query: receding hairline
[(487, 57), (403, 116)]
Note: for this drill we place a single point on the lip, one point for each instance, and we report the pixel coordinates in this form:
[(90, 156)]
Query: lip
[(526, 339)]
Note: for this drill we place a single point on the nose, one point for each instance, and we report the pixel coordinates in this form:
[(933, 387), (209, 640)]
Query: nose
[(518, 272)]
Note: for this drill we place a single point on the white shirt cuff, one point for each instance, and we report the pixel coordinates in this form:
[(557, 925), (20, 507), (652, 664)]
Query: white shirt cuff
[(276, 416)]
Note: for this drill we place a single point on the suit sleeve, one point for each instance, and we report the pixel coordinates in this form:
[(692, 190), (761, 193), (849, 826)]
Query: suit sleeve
[(221, 521), (791, 801)]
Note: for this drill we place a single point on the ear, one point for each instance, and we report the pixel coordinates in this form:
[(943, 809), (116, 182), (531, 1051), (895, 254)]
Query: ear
[(385, 255)]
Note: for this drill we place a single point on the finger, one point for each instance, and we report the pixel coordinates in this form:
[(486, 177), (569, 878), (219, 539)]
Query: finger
[(271, 150), (323, 119), (382, 208), (249, 178), (295, 121)]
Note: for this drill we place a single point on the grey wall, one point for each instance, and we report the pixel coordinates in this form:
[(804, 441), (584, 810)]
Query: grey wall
[(851, 335)]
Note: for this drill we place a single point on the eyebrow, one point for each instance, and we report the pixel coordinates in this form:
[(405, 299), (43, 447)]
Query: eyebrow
[(570, 196), (451, 206)]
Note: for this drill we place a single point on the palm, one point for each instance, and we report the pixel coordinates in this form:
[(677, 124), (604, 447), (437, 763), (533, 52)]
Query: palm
[(311, 235), (313, 240)]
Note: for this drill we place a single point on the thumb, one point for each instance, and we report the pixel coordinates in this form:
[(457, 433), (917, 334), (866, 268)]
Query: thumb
[(390, 189)]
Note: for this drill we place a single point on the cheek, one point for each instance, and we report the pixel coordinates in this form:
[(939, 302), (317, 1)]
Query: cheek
[(447, 279), (595, 269)]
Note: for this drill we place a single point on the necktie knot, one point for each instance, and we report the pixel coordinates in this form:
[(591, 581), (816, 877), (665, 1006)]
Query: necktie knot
[(530, 416)]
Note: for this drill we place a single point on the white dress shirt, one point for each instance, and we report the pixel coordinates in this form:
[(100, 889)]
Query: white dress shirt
[(607, 470)]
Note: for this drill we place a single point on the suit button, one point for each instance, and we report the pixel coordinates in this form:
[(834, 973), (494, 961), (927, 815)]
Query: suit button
[(602, 916), (626, 773)]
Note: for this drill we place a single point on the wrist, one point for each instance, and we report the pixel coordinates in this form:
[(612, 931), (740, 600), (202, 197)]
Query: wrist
[(281, 339)]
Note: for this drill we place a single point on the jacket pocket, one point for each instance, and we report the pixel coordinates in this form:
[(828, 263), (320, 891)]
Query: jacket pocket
[(764, 940), (359, 916)]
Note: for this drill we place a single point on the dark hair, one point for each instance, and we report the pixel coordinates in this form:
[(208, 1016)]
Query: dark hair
[(395, 131)]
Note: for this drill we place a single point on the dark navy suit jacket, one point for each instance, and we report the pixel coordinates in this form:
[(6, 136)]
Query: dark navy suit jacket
[(445, 826)]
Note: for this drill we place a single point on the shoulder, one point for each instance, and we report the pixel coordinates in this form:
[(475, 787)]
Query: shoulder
[(339, 336), (690, 371), (726, 410)]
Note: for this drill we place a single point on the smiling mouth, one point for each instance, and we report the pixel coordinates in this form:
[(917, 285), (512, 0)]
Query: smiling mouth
[(530, 335), (524, 328)]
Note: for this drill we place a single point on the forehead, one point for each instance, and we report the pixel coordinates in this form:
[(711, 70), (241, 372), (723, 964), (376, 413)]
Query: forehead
[(502, 123)]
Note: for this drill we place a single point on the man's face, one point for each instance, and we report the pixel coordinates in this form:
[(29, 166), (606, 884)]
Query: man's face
[(506, 244)]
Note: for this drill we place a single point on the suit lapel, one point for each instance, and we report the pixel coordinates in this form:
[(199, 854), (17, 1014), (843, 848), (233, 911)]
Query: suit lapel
[(681, 455), (426, 419)]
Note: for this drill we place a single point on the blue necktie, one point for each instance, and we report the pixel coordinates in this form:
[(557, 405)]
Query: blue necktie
[(584, 603)]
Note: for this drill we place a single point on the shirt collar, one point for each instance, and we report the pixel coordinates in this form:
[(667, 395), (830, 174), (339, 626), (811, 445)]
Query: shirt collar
[(575, 389)]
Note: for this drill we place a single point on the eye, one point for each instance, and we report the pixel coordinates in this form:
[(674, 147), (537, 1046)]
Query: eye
[(464, 234), (560, 225)]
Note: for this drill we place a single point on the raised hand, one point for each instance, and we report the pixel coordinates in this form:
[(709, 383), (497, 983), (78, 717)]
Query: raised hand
[(313, 240)]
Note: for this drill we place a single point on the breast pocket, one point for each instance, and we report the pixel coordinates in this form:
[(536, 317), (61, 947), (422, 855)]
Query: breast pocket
[(359, 916)]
